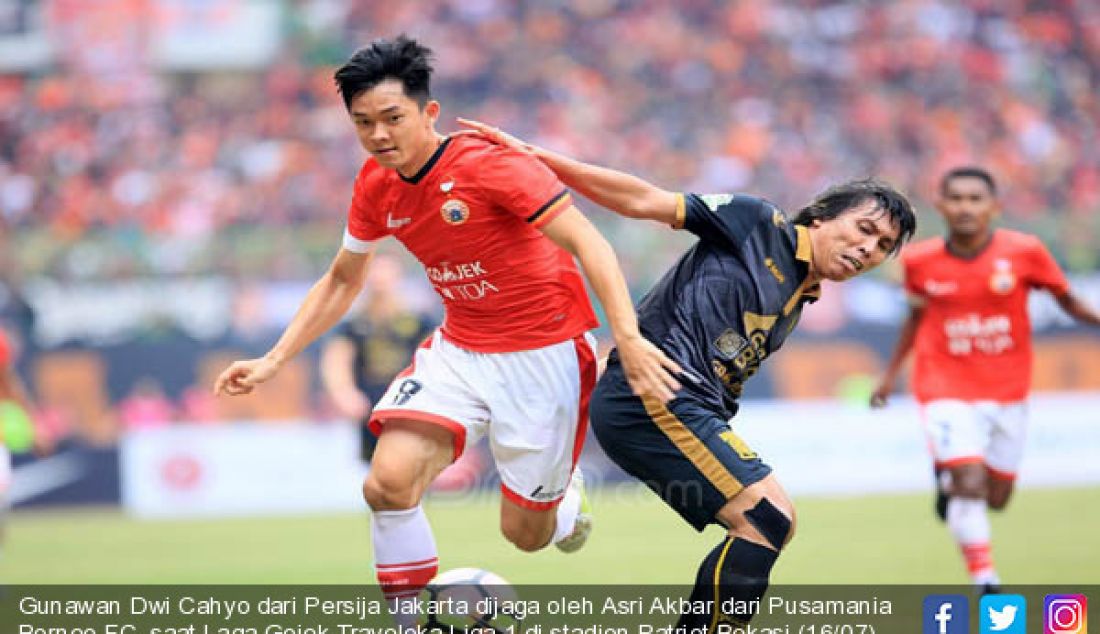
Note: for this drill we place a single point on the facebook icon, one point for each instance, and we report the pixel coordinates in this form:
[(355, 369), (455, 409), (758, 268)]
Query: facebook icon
[(946, 614)]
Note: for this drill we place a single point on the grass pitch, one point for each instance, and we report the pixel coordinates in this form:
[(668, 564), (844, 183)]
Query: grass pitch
[(1046, 536)]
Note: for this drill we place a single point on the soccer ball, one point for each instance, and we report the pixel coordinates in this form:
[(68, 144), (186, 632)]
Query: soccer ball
[(469, 600)]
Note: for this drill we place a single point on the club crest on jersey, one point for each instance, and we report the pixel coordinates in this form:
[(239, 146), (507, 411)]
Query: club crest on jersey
[(1003, 279), (455, 212)]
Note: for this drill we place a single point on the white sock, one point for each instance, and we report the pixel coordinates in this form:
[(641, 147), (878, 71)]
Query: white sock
[(566, 515), (405, 559), (969, 523)]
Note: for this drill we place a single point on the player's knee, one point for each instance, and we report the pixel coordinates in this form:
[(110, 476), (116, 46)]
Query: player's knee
[(528, 541), (774, 520), (998, 500), (389, 492), (526, 535)]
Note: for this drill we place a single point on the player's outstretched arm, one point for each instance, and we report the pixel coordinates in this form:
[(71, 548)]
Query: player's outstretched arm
[(338, 378), (648, 370), (1075, 307), (623, 193), (324, 305), (905, 343)]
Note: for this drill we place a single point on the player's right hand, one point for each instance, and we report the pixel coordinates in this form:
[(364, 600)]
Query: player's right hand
[(495, 135), (243, 376), (648, 370)]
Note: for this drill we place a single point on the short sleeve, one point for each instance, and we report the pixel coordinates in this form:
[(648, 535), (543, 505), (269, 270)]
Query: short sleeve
[(1045, 272), (913, 287), (730, 218), (365, 223), (523, 186)]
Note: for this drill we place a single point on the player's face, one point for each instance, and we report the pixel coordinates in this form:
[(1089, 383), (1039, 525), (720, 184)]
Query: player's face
[(397, 132), (854, 242), (968, 206)]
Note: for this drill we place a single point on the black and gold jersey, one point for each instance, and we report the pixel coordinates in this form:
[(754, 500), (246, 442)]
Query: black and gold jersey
[(732, 298)]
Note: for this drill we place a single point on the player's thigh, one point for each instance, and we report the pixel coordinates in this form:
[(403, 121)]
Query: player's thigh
[(1006, 449), (955, 432), (538, 402), (435, 390), (409, 455), (685, 453)]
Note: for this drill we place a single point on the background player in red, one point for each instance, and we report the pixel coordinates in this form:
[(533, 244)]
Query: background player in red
[(13, 391), (496, 233), (969, 326)]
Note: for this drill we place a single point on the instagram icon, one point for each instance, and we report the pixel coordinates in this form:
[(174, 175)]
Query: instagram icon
[(1065, 614)]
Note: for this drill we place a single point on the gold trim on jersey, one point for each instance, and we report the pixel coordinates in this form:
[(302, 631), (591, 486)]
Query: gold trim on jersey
[(804, 248), (804, 251), (551, 209), (693, 448)]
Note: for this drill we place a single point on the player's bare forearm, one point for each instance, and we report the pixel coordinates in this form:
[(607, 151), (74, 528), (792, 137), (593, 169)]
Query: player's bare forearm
[(906, 337), (1076, 307), (325, 304), (648, 370), (623, 193), (620, 192)]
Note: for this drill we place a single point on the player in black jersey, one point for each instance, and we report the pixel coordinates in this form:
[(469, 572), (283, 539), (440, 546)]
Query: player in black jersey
[(364, 353), (727, 304)]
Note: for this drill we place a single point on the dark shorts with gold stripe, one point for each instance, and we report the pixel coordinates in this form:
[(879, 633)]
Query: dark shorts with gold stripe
[(685, 452)]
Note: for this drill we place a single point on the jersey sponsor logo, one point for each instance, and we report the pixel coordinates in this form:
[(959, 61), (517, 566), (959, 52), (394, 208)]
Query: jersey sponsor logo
[(733, 370), (770, 263), (1003, 279), (971, 333), (460, 281), (396, 223), (455, 212), (933, 287), (447, 273)]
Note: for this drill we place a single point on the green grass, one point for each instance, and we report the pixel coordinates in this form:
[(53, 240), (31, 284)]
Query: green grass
[(1046, 536)]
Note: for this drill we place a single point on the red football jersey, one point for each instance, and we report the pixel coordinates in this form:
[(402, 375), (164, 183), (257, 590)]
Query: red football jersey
[(974, 342), (471, 216)]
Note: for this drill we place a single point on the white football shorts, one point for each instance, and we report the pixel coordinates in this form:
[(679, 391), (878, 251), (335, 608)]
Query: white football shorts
[(989, 432), (533, 404)]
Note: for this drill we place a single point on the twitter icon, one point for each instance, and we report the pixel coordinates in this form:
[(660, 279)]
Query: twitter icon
[(1003, 614)]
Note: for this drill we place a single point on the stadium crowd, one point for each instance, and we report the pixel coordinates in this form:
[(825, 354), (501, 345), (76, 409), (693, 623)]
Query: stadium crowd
[(249, 173)]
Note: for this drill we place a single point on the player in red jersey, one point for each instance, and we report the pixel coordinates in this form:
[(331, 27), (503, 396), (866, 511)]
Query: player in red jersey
[(13, 391), (496, 233), (972, 368)]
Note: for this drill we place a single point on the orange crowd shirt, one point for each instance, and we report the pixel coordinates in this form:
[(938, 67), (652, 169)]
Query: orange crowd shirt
[(974, 341)]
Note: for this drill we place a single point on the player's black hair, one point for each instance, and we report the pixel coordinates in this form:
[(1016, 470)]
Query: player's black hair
[(968, 171), (401, 58), (847, 196)]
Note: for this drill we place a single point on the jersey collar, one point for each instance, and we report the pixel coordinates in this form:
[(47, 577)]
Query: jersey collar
[(420, 174), (803, 252)]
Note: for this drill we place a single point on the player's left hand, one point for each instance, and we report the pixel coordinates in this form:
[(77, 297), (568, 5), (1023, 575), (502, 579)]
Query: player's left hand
[(648, 370), (495, 135)]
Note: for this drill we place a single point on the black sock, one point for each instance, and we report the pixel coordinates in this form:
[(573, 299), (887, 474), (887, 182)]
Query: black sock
[(742, 569)]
